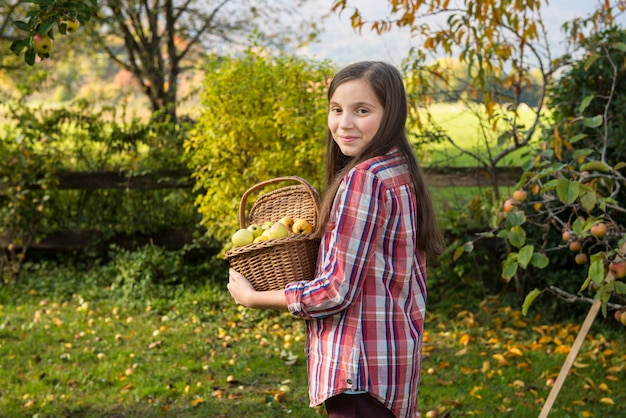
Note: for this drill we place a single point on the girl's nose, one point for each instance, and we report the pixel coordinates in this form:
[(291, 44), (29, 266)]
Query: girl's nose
[(346, 121)]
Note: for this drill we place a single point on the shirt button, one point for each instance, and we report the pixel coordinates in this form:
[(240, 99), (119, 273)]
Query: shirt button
[(349, 381)]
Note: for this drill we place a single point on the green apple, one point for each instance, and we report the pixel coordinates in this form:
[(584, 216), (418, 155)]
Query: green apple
[(255, 229), (71, 25), (278, 230), (42, 43), (242, 237)]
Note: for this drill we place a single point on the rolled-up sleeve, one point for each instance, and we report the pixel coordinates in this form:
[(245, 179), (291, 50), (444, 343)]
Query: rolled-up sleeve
[(346, 249)]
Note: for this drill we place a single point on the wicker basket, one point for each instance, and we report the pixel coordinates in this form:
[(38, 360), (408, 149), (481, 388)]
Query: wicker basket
[(270, 265)]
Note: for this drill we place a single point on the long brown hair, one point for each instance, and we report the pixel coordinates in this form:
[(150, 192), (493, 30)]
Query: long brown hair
[(386, 82)]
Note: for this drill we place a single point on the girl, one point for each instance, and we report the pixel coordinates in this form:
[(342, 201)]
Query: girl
[(365, 307)]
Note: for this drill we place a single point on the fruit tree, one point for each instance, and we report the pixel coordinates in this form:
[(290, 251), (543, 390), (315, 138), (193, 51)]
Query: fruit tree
[(574, 179)]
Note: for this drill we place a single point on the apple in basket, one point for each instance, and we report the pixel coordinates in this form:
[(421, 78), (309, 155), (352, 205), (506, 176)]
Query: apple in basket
[(278, 230), (287, 221), (242, 237), (302, 226), (255, 229)]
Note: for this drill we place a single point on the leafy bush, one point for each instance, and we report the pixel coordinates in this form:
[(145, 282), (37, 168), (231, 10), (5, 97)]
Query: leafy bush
[(261, 118), (38, 143)]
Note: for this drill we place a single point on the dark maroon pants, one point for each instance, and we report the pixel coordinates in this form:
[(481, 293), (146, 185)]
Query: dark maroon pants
[(361, 405)]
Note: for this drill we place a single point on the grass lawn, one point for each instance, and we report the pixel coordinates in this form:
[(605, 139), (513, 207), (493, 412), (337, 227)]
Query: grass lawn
[(193, 353), (463, 127)]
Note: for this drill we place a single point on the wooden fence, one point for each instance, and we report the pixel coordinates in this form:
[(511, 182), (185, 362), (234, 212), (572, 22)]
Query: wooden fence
[(168, 179)]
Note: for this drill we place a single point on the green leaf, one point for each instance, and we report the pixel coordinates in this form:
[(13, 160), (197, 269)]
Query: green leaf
[(620, 288), (585, 284), (592, 58), (524, 255), (515, 218), (29, 56), (588, 199), (529, 299), (585, 103), (45, 27), (596, 270), (595, 166), (503, 139), (539, 260), (583, 152), (567, 190), (579, 226), (517, 236), (620, 46), (593, 122), (509, 268), (21, 25), (577, 138), (467, 247)]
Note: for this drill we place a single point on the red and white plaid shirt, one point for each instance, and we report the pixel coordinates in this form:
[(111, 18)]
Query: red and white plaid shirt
[(365, 307)]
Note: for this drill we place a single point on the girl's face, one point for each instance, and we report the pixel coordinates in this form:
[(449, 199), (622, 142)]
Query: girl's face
[(354, 116)]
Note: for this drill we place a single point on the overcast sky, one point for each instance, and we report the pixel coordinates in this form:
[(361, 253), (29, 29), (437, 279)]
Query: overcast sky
[(340, 43)]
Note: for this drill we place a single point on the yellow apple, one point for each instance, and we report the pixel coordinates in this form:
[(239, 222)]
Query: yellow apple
[(267, 225), (255, 229), (287, 221), (71, 25), (302, 226), (278, 230), (242, 237), (260, 238), (42, 43)]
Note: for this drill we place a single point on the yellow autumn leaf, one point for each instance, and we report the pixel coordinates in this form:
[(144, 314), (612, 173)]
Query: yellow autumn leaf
[(474, 392), (563, 349), (518, 384), (465, 339), (467, 370), (604, 387), (607, 401), (615, 369), (501, 360), (486, 366), (197, 401), (586, 414), (579, 365), (516, 352)]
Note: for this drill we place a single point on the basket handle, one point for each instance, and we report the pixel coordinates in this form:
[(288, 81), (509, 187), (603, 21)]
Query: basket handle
[(242, 205)]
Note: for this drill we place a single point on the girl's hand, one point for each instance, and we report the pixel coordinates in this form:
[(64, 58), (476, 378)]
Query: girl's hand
[(240, 288)]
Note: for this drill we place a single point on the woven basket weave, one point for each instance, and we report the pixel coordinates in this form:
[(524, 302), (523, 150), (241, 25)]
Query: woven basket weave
[(270, 265)]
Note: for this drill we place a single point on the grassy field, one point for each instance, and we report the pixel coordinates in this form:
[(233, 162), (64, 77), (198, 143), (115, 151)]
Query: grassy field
[(72, 348), (463, 127)]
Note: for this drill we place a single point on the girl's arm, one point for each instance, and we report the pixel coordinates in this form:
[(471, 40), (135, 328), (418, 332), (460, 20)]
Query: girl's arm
[(244, 294)]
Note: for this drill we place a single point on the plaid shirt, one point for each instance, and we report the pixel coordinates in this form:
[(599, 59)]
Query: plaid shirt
[(365, 307)]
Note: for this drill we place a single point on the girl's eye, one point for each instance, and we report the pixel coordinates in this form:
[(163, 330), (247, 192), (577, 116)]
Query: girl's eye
[(335, 110), (362, 111)]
